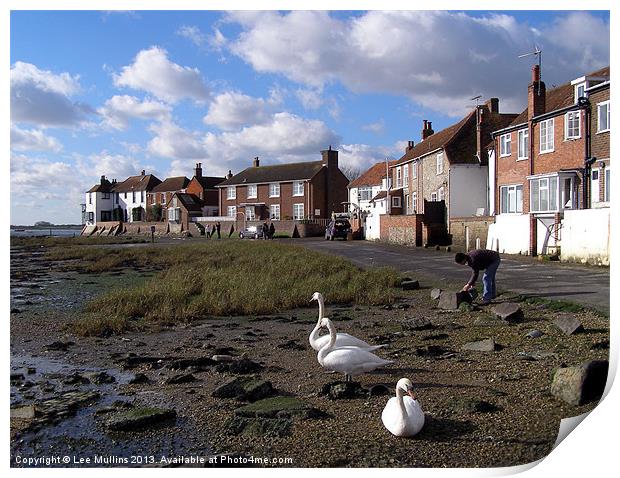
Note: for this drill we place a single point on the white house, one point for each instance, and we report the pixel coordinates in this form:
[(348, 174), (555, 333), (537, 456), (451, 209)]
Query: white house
[(99, 202), (130, 196)]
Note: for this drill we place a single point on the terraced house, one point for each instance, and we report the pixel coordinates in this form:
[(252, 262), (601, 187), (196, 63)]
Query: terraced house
[(544, 165), (293, 191)]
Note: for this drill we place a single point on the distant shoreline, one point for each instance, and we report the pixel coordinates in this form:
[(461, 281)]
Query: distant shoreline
[(44, 228)]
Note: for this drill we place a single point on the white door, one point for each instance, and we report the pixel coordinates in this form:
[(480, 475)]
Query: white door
[(594, 185)]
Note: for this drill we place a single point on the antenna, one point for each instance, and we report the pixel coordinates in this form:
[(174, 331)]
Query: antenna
[(476, 98), (537, 52)]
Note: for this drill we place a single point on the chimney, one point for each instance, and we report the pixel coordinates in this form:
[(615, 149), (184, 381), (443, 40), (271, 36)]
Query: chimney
[(229, 175), (536, 94), (427, 130), (256, 162), (103, 179), (410, 145), (143, 172), (493, 105), (198, 170), (330, 161)]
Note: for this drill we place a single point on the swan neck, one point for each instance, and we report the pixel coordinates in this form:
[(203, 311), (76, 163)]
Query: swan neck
[(332, 336), (401, 402), (321, 310)]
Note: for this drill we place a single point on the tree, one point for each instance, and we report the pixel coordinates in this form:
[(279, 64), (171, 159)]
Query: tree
[(351, 172), (154, 213)]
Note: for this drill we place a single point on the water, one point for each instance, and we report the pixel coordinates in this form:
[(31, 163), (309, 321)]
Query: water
[(46, 232)]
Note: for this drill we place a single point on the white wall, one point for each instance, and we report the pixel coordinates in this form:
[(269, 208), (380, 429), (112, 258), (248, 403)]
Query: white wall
[(491, 183), (128, 204), (468, 189), (372, 227), (585, 236), (97, 205), (510, 234)]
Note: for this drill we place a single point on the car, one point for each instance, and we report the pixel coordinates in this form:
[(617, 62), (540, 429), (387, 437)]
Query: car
[(251, 232), (337, 228)]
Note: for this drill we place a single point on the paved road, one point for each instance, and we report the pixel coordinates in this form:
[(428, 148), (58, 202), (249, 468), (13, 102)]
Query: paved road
[(584, 285)]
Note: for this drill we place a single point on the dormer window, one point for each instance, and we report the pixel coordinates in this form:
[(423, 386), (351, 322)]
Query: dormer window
[(580, 91)]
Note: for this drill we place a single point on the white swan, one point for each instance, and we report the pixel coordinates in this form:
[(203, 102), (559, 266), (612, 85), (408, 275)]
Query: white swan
[(317, 342), (349, 360), (403, 416)]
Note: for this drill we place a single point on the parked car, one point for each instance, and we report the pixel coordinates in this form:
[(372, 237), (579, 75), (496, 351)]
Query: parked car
[(251, 232), (337, 228)]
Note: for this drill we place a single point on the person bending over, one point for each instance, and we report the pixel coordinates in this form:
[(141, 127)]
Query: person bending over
[(481, 259)]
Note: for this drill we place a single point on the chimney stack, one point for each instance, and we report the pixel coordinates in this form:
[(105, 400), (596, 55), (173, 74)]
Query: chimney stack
[(536, 94), (229, 175), (330, 161), (103, 179), (493, 105), (428, 130), (410, 145), (198, 170), (143, 172), (256, 162)]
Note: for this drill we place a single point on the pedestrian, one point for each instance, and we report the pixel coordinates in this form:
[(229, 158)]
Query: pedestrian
[(272, 230), (217, 228), (265, 230), (213, 230), (481, 259)]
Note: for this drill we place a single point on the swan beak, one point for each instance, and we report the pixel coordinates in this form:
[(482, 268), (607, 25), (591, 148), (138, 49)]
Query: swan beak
[(411, 394)]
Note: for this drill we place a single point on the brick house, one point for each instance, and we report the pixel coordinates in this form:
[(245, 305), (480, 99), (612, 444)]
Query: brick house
[(600, 172), (538, 165), (161, 195), (181, 208), (294, 191), (204, 187), (442, 177)]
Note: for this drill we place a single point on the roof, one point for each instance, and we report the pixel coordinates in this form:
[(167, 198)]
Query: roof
[(208, 182), (275, 173), (558, 98), (372, 176), (380, 195), (171, 184), (137, 183), (104, 187), (191, 202)]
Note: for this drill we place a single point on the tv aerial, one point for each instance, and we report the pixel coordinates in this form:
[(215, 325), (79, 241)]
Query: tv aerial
[(537, 52), (476, 98)]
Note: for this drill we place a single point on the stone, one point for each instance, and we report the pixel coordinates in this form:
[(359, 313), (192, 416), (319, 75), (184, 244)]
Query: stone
[(17, 378), (435, 294), (27, 412), (536, 355), (241, 366), (31, 370), (602, 345), (568, 324), (100, 377), (132, 360), (63, 405), (140, 418), (244, 388), (417, 323), (75, 379), (410, 285), (451, 300), (180, 378), (534, 334), (59, 346), (343, 390), (509, 312), (431, 351), (378, 390), (581, 384), (466, 307), (278, 407), (139, 378), (271, 427), (486, 345), (196, 362), (222, 358)]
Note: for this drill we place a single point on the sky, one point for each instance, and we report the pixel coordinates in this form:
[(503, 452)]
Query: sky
[(112, 93)]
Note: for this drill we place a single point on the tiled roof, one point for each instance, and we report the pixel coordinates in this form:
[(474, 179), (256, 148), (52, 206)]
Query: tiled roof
[(209, 182), (106, 187), (275, 173), (191, 202), (380, 195), (372, 176), (172, 184), (137, 183)]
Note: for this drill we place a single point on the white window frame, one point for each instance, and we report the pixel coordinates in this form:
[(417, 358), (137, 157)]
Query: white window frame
[(549, 142), (396, 201), (523, 140), (231, 192), (434, 196), (441, 194), (414, 172), (580, 86), (414, 202), (364, 193), (250, 213), (568, 117), (406, 175), (298, 188), (252, 191), (505, 145), (439, 160), (606, 104), (399, 177), (595, 183), (512, 191), (274, 190), (551, 190), (296, 208), (231, 211), (272, 212)]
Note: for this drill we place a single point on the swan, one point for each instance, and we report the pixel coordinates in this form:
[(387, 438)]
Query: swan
[(403, 416), (317, 342), (349, 360)]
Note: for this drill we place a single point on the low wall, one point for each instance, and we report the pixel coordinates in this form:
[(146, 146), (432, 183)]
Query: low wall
[(402, 229), (510, 234), (161, 228), (470, 232), (291, 228), (585, 236)]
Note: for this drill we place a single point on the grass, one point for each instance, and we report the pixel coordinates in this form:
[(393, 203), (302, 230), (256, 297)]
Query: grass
[(52, 242), (554, 305), (222, 279)]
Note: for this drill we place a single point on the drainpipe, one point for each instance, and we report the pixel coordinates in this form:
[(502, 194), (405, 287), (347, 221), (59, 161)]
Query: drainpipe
[(588, 160)]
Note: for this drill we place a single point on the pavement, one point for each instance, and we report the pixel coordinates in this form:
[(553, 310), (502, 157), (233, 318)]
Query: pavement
[(584, 285)]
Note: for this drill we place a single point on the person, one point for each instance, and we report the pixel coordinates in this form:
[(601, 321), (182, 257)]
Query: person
[(213, 230), (217, 228), (265, 231), (272, 230), (481, 259)]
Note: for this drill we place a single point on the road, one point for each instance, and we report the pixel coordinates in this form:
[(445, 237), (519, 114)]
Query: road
[(584, 285)]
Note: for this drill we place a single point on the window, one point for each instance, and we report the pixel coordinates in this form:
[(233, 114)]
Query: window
[(439, 163), (414, 202), (543, 194), (524, 144), (274, 190), (607, 184), (232, 211), (142, 196), (91, 216), (125, 195), (298, 211), (441, 194), (174, 214), (399, 177), (546, 136), (274, 212), (433, 196), (603, 117), (90, 198), (595, 186), (572, 125), (414, 173), (252, 191), (364, 194), (504, 145), (395, 201), (231, 192), (250, 213), (133, 196), (511, 199), (162, 198), (105, 195), (406, 175), (298, 188), (580, 91), (116, 198), (406, 208)]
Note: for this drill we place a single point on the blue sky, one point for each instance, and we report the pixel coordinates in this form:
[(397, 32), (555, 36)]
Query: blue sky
[(100, 93)]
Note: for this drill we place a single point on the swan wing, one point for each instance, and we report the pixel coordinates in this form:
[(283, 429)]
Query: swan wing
[(392, 418), (352, 360), (415, 416)]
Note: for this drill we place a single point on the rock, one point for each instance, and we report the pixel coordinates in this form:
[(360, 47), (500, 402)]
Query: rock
[(272, 427), (534, 334), (466, 307), (31, 370), (339, 390), (451, 300), (17, 378), (536, 355), (27, 412), (410, 285), (100, 377), (139, 378), (63, 405), (378, 390), (581, 384), (417, 323), (222, 358), (132, 360), (470, 405), (487, 321), (241, 366), (75, 379), (15, 311), (279, 407), (568, 324), (140, 418), (180, 378), (435, 294), (58, 345), (431, 351), (224, 351), (244, 388), (509, 312), (486, 345), (196, 362)]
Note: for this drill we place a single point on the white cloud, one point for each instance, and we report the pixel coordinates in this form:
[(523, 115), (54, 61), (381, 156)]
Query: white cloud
[(33, 140), (362, 156), (377, 127), (403, 53), (153, 72), (231, 110), (120, 109), (172, 141), (311, 99), (42, 98), (193, 34), (113, 166)]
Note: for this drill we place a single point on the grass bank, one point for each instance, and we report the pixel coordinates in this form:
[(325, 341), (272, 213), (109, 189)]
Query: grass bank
[(69, 242), (223, 279)]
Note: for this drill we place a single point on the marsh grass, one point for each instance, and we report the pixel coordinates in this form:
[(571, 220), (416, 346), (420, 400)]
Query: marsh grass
[(52, 242), (224, 279)]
